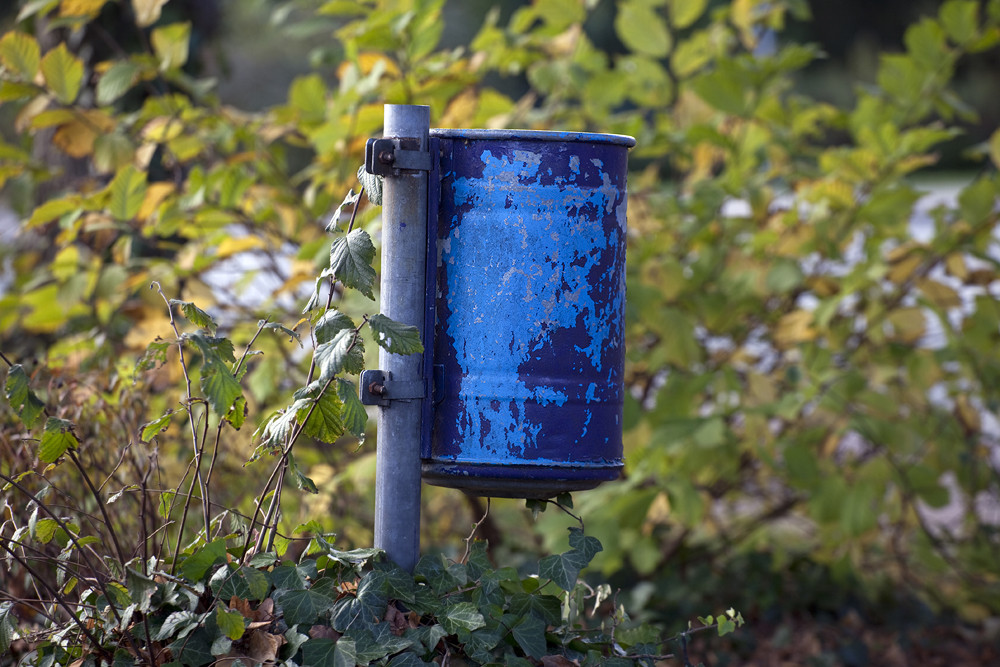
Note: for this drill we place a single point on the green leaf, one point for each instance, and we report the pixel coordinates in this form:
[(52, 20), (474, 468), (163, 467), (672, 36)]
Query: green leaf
[(642, 30), (353, 411), (302, 482), (21, 398), (201, 561), (230, 622), (20, 53), (345, 352), (960, 19), (170, 43), (237, 415), (220, 387), (307, 95), (141, 588), (117, 81), (158, 425), (330, 324), (324, 652), (302, 606), (195, 315), (127, 193), (283, 329), (178, 624), (587, 546), (722, 89), (45, 530), (530, 636), (6, 626), (350, 200), (63, 73), (685, 12), (325, 423), (395, 337), (147, 12), (351, 261), (57, 438), (463, 615), (371, 184)]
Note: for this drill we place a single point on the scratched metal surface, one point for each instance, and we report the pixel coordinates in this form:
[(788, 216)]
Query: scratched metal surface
[(529, 311)]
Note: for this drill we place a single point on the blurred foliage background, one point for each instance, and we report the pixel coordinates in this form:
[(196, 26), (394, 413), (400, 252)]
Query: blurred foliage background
[(813, 376)]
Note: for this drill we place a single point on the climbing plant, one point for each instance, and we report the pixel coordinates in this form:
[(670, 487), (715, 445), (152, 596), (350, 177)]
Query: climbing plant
[(811, 366)]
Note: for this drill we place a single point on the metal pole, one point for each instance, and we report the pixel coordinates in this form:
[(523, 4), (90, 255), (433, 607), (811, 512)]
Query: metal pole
[(404, 251)]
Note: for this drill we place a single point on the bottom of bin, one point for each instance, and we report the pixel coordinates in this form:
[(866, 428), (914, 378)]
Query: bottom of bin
[(517, 481)]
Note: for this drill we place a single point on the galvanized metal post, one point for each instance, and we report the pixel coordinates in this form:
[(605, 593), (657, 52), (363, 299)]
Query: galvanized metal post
[(404, 251)]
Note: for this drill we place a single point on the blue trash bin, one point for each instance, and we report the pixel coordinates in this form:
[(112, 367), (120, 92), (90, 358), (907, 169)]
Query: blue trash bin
[(529, 312)]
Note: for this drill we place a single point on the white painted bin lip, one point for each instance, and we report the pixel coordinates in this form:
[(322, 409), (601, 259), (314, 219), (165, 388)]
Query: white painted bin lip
[(534, 135)]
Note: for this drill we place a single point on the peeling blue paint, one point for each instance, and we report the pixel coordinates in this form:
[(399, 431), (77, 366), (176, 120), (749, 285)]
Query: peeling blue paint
[(530, 311)]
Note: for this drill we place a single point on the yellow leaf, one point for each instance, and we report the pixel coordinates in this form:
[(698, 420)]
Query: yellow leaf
[(20, 54), (231, 246), (902, 270), (909, 324), (995, 148), (461, 109), (171, 45), (63, 73), (155, 194), (941, 295), (967, 413), (657, 514), (82, 8), (760, 389), (147, 12), (75, 138), (955, 265), (795, 327), (367, 62), (162, 129)]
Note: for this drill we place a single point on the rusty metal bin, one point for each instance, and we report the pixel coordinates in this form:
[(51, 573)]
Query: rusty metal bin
[(529, 301)]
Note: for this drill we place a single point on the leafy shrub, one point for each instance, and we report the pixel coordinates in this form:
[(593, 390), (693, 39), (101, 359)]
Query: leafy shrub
[(810, 373)]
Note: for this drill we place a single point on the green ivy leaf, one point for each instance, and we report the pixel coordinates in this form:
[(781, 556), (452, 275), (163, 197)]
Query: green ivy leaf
[(530, 636), (230, 622), (302, 606), (351, 261), (178, 624), (195, 315), (6, 626), (395, 337), (201, 561), (324, 652), (57, 438), (21, 398), (63, 73), (141, 588), (462, 615), (585, 544), (20, 53)]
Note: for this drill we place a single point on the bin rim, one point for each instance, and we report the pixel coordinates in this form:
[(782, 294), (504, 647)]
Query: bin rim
[(534, 135)]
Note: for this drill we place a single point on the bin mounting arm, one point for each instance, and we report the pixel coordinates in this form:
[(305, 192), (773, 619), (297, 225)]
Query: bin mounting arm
[(395, 156)]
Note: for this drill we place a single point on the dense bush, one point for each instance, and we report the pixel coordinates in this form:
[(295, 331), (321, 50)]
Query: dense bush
[(811, 371)]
